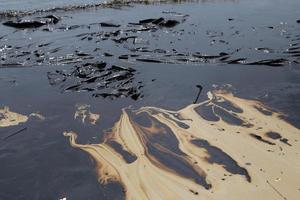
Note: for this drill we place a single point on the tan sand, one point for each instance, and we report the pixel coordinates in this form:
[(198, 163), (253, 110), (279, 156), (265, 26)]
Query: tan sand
[(9, 118), (233, 155)]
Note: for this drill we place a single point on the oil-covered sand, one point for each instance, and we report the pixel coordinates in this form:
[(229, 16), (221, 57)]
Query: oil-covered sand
[(101, 102)]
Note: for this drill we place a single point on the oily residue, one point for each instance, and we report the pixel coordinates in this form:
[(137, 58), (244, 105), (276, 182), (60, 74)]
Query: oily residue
[(162, 147), (259, 138), (103, 81), (135, 39), (277, 136), (218, 156), (218, 109), (84, 114), (206, 112), (154, 158)]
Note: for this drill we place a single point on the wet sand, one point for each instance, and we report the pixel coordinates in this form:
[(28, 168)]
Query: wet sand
[(120, 84), (183, 154)]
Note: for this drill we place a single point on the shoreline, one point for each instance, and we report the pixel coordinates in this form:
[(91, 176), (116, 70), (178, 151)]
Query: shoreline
[(125, 81)]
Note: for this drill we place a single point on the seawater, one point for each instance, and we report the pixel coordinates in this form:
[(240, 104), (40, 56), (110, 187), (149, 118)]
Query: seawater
[(41, 4)]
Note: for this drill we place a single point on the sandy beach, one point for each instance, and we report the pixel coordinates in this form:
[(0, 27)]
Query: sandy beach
[(150, 100)]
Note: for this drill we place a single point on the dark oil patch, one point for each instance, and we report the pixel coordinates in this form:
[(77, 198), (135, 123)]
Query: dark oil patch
[(142, 118), (218, 156), (163, 136), (273, 135), (291, 120), (162, 146), (259, 138), (178, 123), (263, 110), (229, 106), (230, 118), (206, 112), (179, 117), (178, 164), (127, 156), (285, 141), (277, 136), (194, 192)]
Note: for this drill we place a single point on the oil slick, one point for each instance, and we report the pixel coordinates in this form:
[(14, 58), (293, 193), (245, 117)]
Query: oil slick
[(154, 156), (83, 113), (9, 118)]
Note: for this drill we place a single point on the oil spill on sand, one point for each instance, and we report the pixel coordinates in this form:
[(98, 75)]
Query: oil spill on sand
[(12, 119), (210, 159), (9, 118)]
